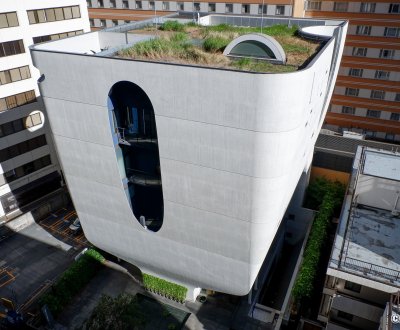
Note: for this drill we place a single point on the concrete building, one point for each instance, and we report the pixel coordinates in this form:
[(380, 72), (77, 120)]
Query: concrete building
[(29, 167), (364, 268), (367, 94), (173, 167)]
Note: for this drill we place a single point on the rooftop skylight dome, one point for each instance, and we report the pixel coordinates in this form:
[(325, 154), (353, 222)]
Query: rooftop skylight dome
[(258, 46)]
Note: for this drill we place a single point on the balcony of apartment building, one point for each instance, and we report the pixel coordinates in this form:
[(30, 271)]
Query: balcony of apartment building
[(366, 246)]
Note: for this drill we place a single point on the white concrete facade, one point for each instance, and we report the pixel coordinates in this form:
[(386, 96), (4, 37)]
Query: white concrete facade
[(231, 154), (26, 32)]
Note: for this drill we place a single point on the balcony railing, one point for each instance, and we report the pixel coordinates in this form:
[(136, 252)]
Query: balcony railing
[(143, 178), (367, 268)]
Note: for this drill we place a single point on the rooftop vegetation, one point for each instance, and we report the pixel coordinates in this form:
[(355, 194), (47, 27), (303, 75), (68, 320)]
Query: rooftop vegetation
[(204, 45)]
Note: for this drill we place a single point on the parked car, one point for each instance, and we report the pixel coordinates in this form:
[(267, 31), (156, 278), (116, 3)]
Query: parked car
[(75, 227)]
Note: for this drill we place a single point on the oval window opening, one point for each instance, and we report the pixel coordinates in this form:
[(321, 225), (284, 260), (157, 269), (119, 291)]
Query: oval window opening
[(137, 152)]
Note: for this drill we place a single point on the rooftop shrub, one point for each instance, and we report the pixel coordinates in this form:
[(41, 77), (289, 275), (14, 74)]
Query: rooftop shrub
[(172, 26), (164, 288)]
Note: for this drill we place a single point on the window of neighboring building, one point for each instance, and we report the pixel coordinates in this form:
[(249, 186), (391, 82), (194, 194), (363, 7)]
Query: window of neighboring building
[(228, 8), (313, 5), (367, 7), (125, 4), (348, 110), (165, 5), (22, 147), (280, 10), (26, 169), (100, 3), (138, 4), (16, 74), (151, 5), (17, 100), (340, 6), (245, 9), (382, 75), (373, 113), (89, 3), (363, 30), (344, 315), (392, 32), (91, 21), (112, 4), (56, 36), (356, 72), (211, 7), (389, 136), (8, 20), (378, 95), (394, 8), (351, 91), (359, 51), (386, 53), (196, 6), (126, 22), (262, 9), (53, 14), (397, 97), (102, 22), (114, 22), (352, 286), (395, 116), (180, 6)]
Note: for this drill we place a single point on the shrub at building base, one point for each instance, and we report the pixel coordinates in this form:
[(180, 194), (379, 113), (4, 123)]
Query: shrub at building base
[(168, 289), (72, 281), (327, 196)]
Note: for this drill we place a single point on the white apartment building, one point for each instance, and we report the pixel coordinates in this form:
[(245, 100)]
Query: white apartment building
[(364, 268), (29, 168), (184, 170)]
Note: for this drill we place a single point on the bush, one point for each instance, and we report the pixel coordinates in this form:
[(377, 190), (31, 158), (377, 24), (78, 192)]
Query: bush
[(72, 281), (215, 44), (172, 26), (331, 195), (165, 288)]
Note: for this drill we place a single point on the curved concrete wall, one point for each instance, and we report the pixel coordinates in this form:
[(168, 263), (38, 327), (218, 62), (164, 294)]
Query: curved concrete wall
[(232, 148)]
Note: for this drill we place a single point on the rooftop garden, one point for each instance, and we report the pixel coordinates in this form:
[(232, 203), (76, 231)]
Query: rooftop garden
[(204, 46)]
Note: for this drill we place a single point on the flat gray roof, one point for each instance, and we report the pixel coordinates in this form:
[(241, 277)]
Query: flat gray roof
[(371, 245)]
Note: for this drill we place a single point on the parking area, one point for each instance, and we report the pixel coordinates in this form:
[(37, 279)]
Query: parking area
[(58, 224), (37, 254)]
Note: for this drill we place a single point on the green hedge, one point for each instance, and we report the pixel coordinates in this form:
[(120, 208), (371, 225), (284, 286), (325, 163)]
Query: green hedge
[(165, 288), (331, 195), (72, 281)]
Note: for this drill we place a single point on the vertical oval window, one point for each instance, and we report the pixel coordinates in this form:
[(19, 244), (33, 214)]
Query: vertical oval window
[(134, 124)]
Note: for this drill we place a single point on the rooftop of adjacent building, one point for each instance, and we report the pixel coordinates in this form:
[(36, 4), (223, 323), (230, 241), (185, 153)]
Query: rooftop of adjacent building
[(145, 40), (366, 242)]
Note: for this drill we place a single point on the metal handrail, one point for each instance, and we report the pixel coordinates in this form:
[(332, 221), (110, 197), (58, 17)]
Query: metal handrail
[(372, 269)]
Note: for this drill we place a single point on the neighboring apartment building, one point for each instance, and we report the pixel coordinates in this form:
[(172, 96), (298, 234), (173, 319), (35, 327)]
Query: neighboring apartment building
[(29, 167), (108, 13), (184, 170), (364, 268), (367, 93)]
